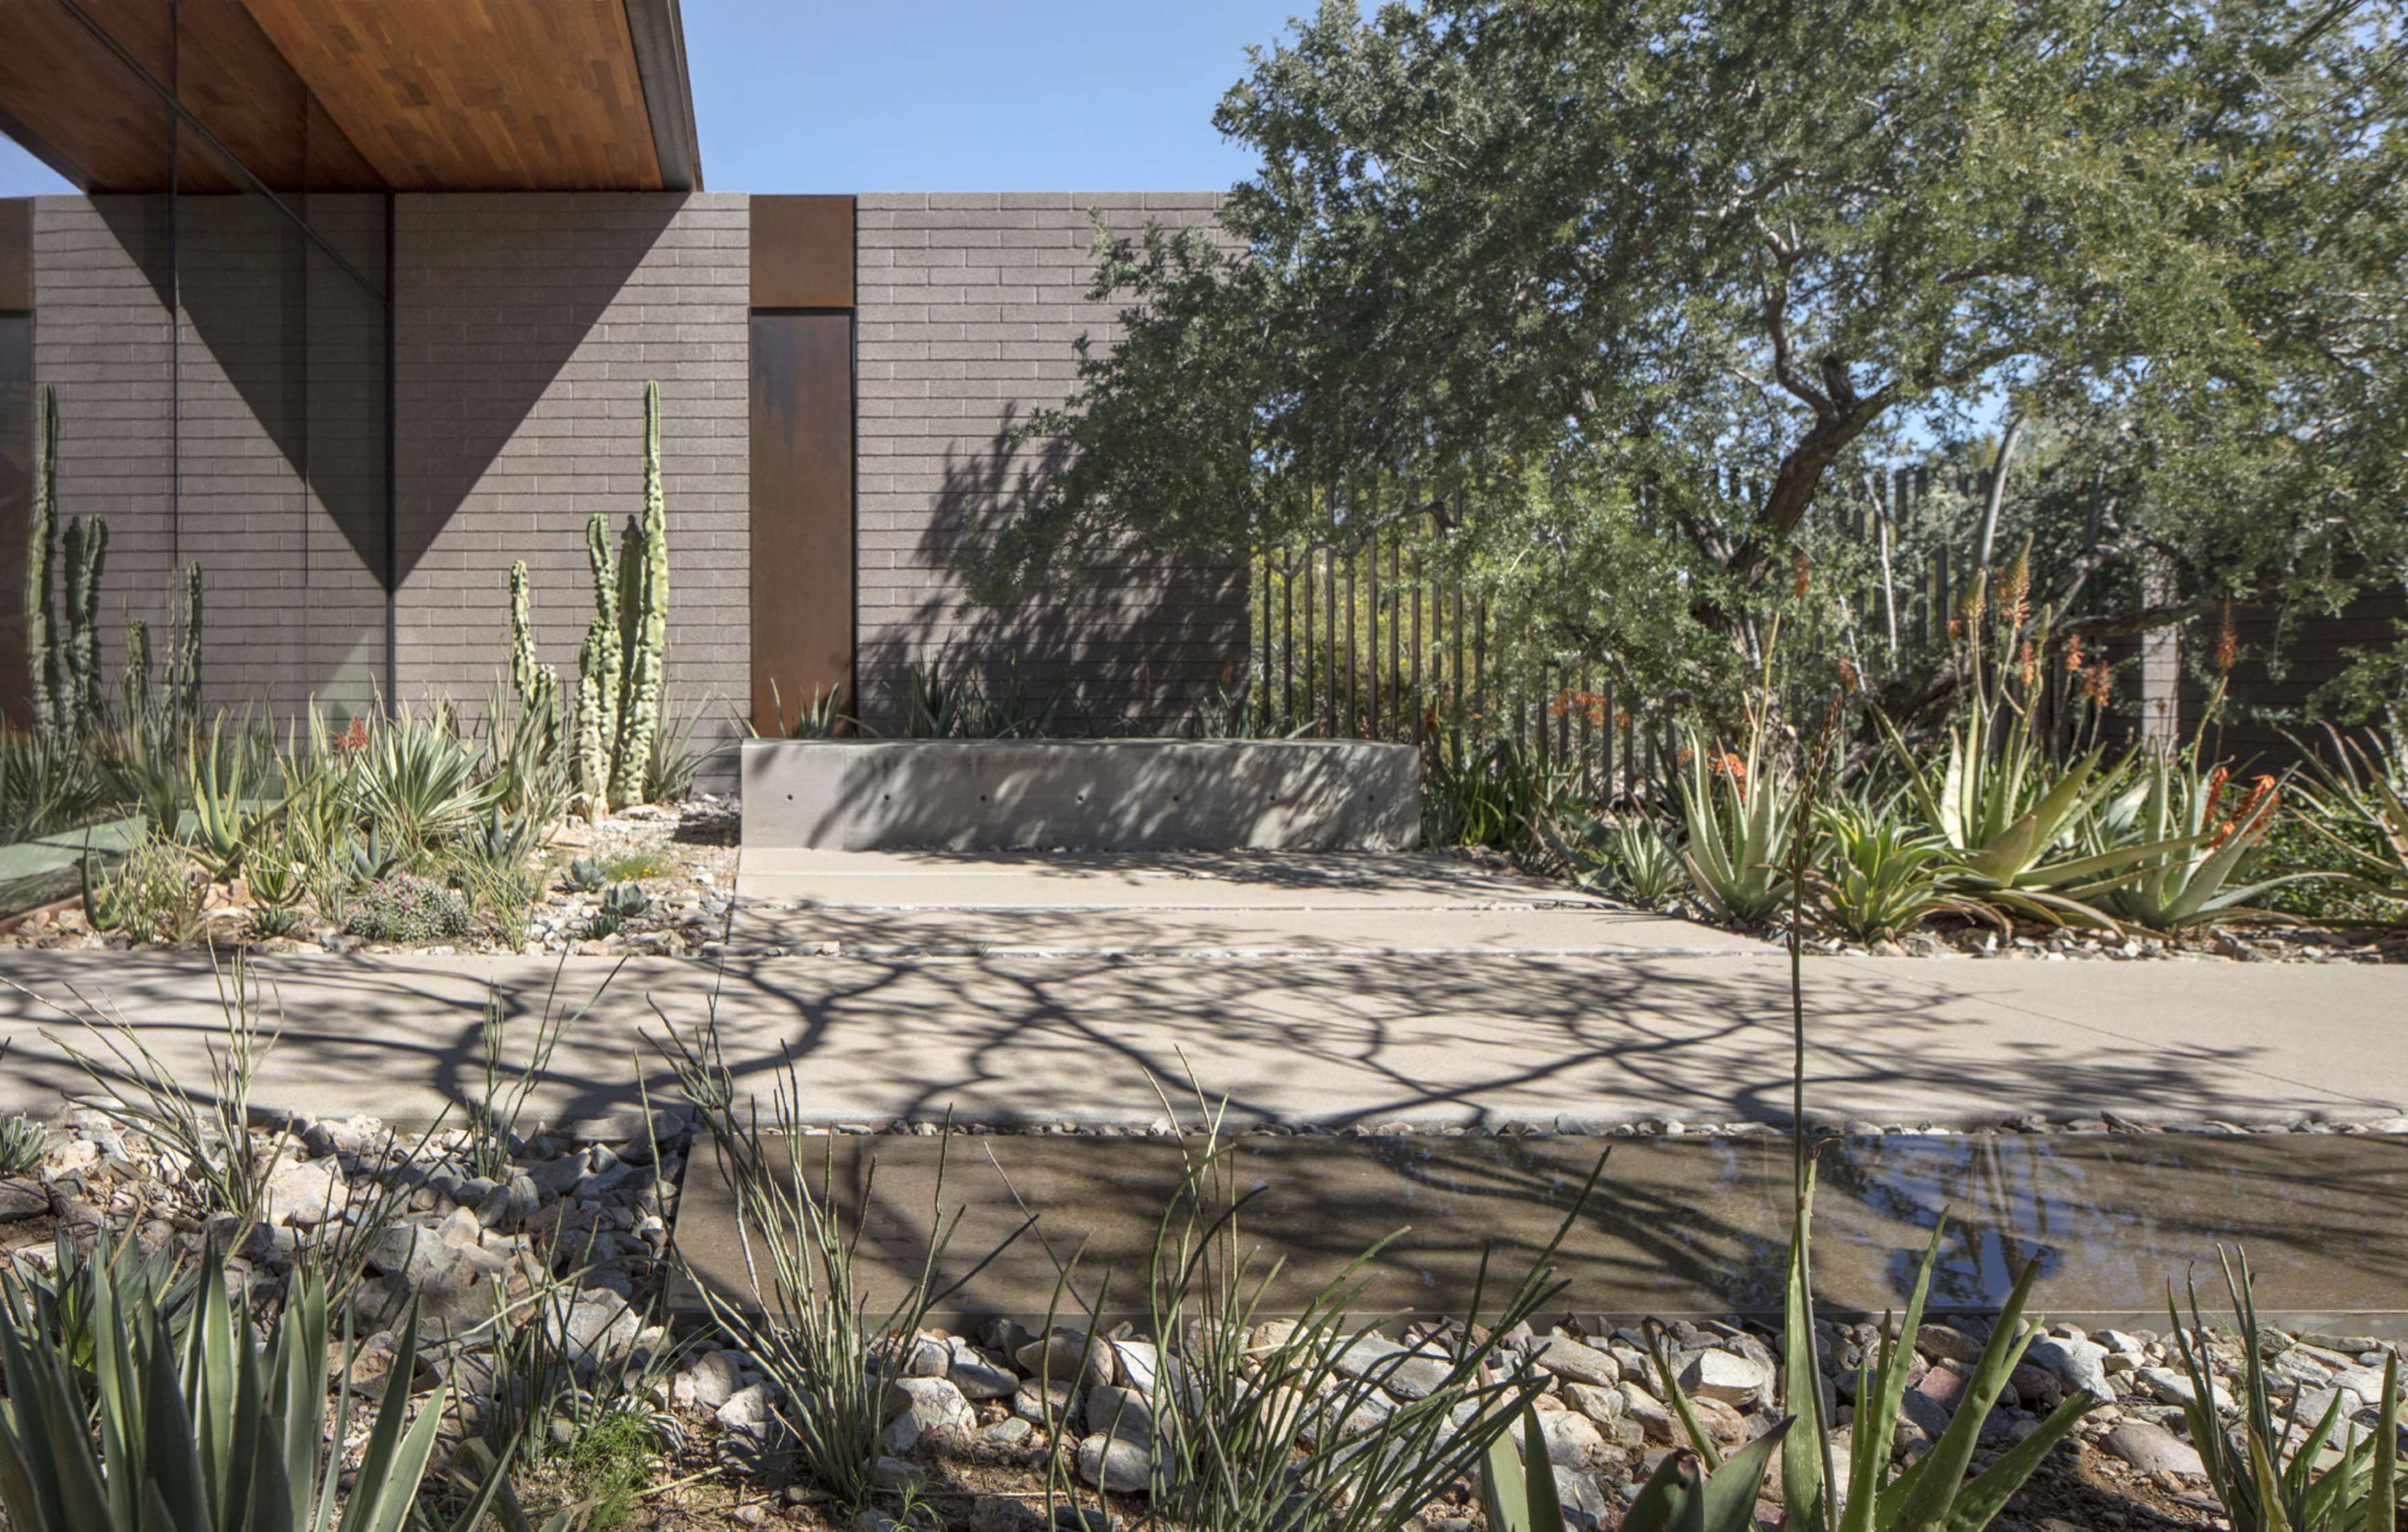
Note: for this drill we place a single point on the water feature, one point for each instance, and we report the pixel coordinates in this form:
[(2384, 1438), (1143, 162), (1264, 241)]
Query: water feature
[(1675, 1226)]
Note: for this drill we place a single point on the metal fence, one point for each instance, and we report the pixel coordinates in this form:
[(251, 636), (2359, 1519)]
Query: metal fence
[(1363, 634)]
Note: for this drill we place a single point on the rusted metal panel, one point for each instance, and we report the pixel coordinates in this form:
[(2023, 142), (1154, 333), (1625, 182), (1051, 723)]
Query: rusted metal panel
[(802, 252), (802, 545), (16, 254)]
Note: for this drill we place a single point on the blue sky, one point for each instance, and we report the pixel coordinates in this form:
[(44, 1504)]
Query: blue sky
[(812, 95)]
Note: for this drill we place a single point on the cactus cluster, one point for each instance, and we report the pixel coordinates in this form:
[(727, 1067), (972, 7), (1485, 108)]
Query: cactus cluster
[(68, 697), (620, 664)]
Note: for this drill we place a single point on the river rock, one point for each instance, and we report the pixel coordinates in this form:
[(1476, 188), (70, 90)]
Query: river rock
[(1067, 1355), (2077, 1364), (977, 1377), (2153, 1450), (303, 1194), (22, 1199), (1725, 1376), (929, 1405), (1115, 1464), (1572, 1440), (1576, 1363)]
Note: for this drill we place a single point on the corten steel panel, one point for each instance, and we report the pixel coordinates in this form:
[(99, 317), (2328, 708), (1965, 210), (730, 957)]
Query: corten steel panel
[(478, 95), (802, 252), (802, 510), (16, 254)]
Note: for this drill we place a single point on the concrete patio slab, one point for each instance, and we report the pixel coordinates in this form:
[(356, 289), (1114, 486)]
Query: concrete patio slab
[(1337, 1040)]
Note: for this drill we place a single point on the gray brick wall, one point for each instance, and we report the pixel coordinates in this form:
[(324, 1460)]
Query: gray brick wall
[(190, 431), (526, 327), (968, 305), (105, 340)]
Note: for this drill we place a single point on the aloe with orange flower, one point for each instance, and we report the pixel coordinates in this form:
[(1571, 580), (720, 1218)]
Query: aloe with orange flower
[(2201, 827)]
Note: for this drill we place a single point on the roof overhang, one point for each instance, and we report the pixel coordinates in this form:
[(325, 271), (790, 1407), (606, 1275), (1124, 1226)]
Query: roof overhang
[(434, 96)]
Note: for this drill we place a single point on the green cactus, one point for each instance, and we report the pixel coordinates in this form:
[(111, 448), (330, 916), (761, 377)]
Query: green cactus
[(538, 685), (41, 631), (135, 685), (184, 669), (644, 618), (599, 675), (620, 664), (87, 550)]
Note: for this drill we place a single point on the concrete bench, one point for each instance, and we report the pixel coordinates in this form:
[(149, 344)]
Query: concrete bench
[(1082, 794)]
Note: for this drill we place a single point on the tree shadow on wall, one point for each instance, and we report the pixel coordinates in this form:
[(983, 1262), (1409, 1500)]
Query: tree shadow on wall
[(1144, 646)]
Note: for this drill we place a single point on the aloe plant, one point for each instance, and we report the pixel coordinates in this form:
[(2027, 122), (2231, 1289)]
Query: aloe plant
[(2011, 817), (2358, 802), (1879, 878), (203, 1435), (1932, 1494), (1680, 1495), (2199, 840), (2359, 1492), (225, 818), (1740, 814)]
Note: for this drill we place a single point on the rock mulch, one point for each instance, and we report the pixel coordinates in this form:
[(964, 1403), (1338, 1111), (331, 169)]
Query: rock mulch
[(972, 1406), (693, 843)]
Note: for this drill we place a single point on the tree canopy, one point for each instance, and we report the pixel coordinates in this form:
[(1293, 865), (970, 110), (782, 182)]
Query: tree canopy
[(1647, 282)]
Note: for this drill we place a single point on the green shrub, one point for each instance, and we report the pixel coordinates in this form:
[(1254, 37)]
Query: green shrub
[(155, 895), (1488, 795), (634, 865), (209, 1434), (404, 906)]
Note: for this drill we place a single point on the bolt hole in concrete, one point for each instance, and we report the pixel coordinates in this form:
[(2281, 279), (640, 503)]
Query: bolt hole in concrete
[(1689, 1226)]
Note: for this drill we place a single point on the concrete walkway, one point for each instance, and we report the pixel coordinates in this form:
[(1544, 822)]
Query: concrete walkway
[(1335, 991)]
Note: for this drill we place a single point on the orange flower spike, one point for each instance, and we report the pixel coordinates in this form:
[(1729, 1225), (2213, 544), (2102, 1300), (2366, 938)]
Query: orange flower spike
[(2073, 655), (2227, 641), (2028, 667), (1803, 570)]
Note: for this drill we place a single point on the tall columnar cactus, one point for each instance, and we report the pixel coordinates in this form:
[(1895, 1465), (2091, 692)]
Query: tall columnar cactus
[(184, 667), (599, 675), (538, 685), (87, 550), (136, 686), (620, 663), (41, 538), (643, 617)]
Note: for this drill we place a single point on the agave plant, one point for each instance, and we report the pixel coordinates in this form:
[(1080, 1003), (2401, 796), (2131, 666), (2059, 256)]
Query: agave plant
[(1739, 811), (1932, 1494), (2012, 818), (2198, 840), (2359, 1493), (220, 784), (417, 782)]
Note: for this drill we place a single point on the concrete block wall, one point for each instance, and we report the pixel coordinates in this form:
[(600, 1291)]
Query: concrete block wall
[(968, 305), (105, 338), (228, 413), (526, 327)]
